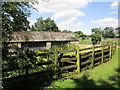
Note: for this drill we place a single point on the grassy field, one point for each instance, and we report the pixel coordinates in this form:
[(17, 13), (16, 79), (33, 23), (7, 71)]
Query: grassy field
[(85, 41), (103, 76)]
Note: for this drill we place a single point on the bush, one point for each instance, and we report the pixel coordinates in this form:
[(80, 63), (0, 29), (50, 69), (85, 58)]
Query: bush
[(95, 38)]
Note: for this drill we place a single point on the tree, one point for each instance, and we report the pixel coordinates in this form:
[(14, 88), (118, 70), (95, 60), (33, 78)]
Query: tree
[(97, 30), (14, 18), (44, 25), (95, 38), (80, 34), (67, 31), (108, 32), (117, 32)]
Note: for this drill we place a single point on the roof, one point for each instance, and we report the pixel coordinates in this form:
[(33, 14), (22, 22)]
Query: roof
[(32, 36)]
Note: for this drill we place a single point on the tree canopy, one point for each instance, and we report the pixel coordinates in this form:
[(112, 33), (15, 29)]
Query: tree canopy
[(44, 25), (80, 34), (108, 32), (117, 32), (97, 30), (14, 18)]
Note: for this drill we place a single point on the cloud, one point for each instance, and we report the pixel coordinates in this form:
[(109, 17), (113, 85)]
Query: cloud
[(68, 13), (114, 5), (115, 12), (62, 8), (106, 22), (70, 24), (59, 5)]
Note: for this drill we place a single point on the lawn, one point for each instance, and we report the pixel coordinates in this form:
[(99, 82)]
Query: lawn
[(103, 76), (86, 41)]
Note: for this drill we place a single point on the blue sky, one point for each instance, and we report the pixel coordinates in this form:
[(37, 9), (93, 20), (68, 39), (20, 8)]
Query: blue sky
[(77, 16)]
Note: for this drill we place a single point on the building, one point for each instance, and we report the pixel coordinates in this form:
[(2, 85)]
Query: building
[(41, 39)]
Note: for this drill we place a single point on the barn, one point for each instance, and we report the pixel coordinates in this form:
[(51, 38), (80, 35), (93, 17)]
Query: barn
[(34, 40)]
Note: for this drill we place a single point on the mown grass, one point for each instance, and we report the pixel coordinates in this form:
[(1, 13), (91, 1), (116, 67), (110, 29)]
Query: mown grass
[(104, 76), (85, 41)]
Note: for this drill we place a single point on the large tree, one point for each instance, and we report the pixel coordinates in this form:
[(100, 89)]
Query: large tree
[(108, 32), (117, 32), (97, 30), (14, 18), (44, 25), (80, 34)]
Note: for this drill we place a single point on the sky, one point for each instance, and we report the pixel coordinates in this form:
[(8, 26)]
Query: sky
[(77, 15)]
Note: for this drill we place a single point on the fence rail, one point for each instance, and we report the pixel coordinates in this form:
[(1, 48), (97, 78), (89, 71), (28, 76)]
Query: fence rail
[(77, 60), (87, 58)]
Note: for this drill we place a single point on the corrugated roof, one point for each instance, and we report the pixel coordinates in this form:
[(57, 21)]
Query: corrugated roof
[(30, 36)]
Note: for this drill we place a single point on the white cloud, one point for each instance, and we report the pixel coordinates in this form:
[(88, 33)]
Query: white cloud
[(70, 24), (68, 13), (115, 12), (59, 5), (62, 8), (114, 4), (106, 22)]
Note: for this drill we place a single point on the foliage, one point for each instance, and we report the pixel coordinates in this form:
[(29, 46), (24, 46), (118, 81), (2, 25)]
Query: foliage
[(108, 32), (117, 32), (19, 57), (95, 38), (67, 31), (14, 18), (80, 34), (97, 30), (44, 25)]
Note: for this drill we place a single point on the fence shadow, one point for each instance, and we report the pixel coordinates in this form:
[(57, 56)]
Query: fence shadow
[(85, 82), (34, 82)]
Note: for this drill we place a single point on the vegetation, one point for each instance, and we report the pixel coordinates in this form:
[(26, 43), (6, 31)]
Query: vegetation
[(108, 32), (85, 41), (80, 34), (117, 32), (95, 38), (97, 30), (44, 25)]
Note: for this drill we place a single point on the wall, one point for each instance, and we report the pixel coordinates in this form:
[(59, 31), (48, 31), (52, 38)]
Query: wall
[(34, 45)]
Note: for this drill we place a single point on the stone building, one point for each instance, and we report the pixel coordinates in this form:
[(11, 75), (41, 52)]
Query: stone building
[(41, 39)]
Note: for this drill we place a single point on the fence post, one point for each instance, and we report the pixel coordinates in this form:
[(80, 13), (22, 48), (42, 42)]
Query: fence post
[(102, 53), (26, 71), (56, 63), (93, 56), (78, 60), (110, 53), (56, 60)]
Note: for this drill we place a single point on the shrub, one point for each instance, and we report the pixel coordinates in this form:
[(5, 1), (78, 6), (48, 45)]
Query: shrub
[(95, 38)]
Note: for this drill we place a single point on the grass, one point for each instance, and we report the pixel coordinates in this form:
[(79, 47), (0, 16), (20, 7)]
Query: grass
[(103, 76), (86, 41)]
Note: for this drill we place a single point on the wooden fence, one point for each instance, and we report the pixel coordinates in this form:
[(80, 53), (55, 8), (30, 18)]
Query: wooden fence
[(74, 60), (82, 59)]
